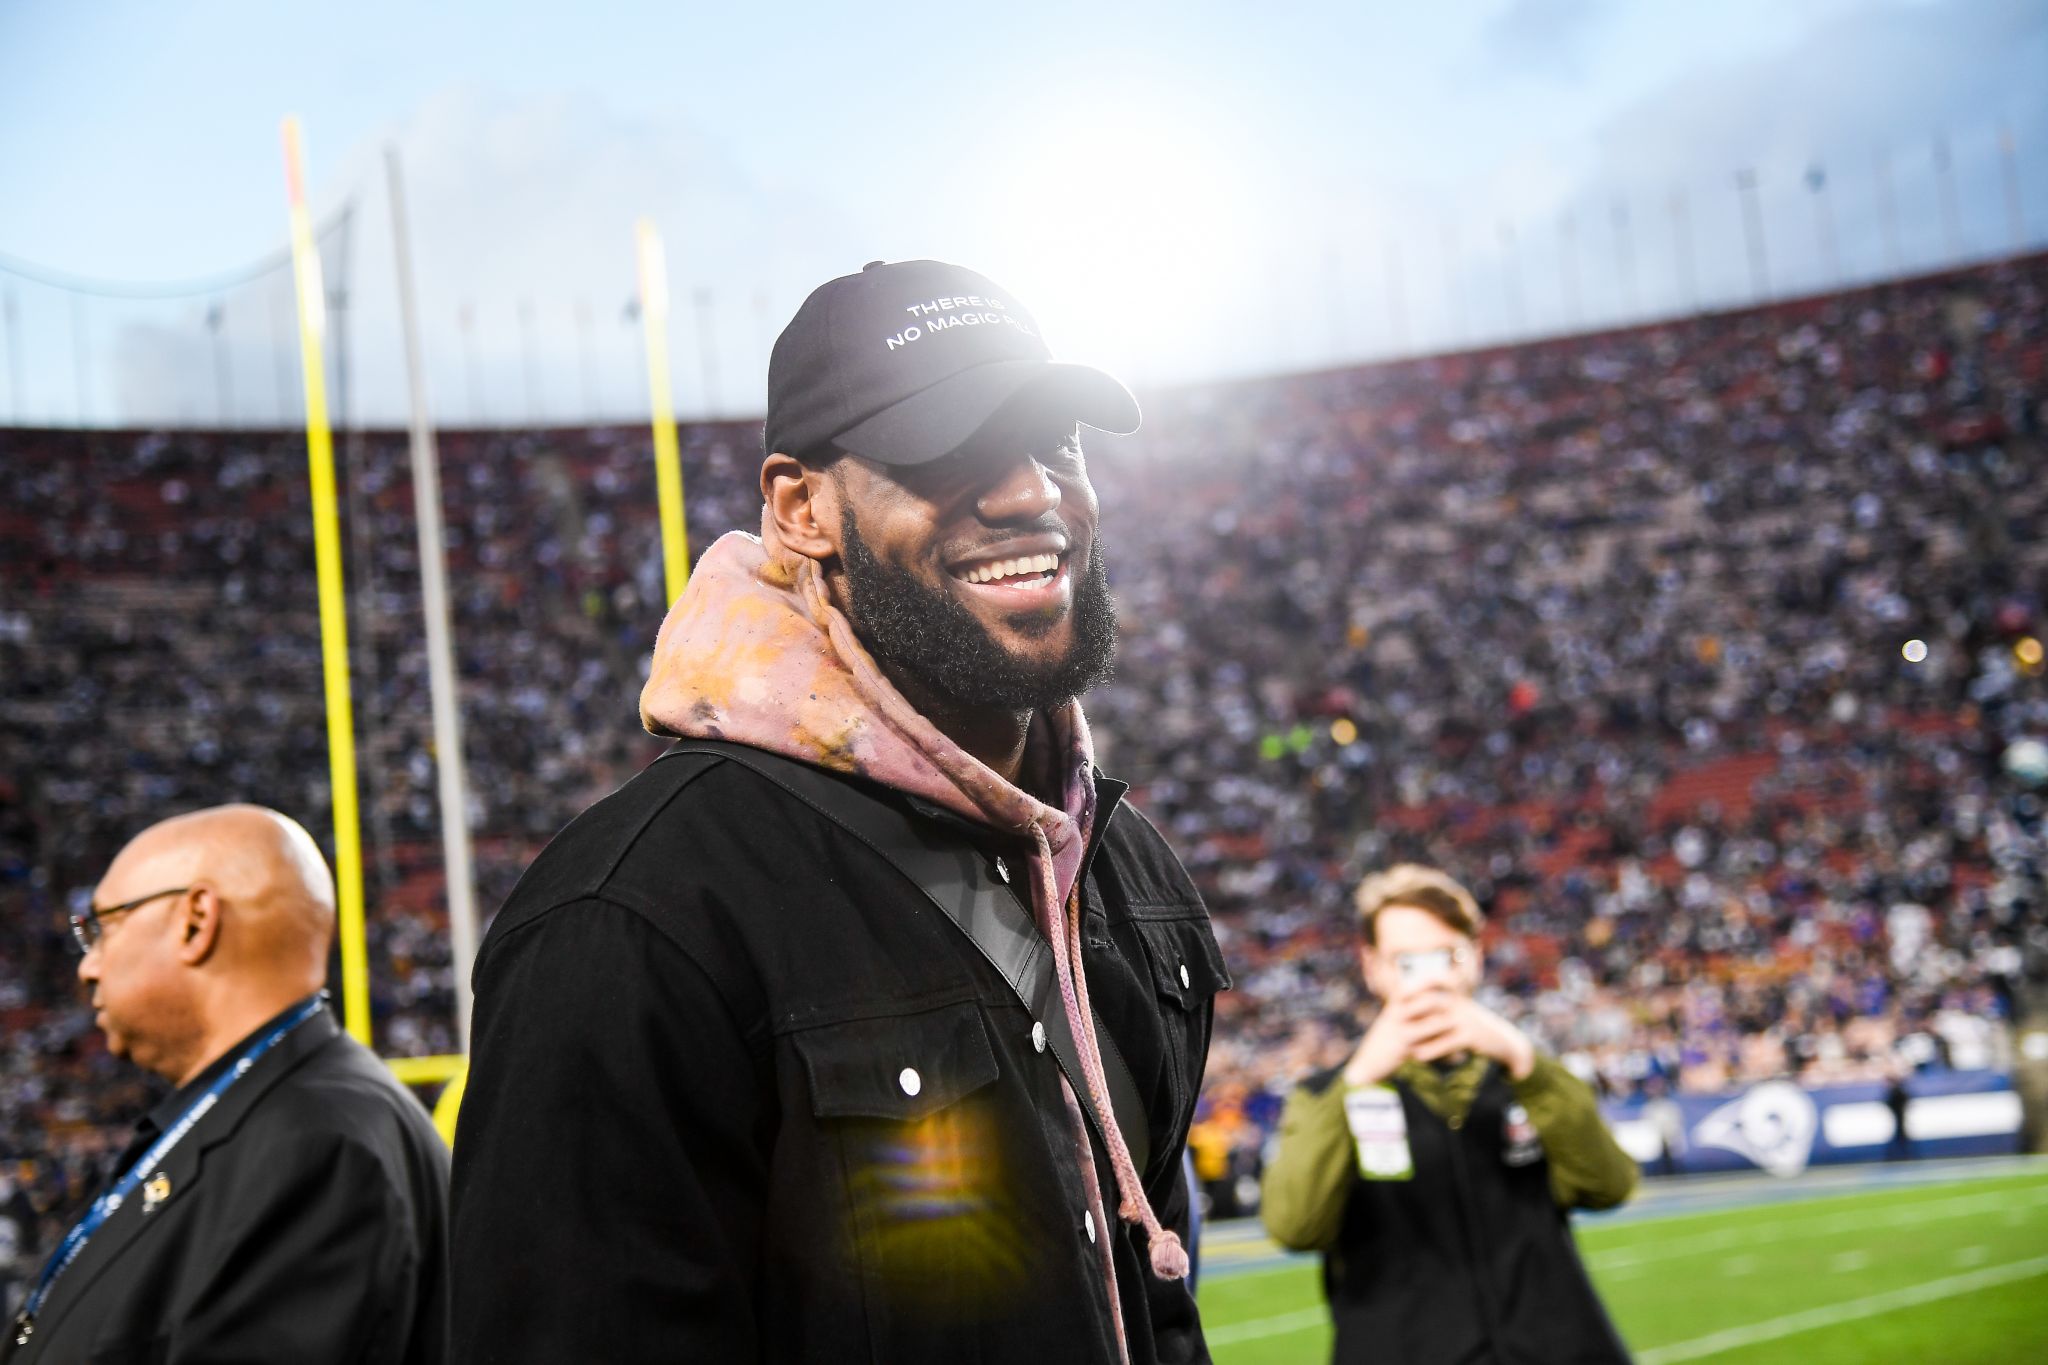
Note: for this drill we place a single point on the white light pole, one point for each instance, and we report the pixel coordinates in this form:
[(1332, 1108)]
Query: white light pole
[(426, 495)]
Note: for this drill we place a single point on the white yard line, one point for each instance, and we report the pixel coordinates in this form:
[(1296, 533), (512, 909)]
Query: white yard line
[(1793, 1224), (1705, 1196), (1729, 1339), (1266, 1327), (1292, 1266), (1831, 1315)]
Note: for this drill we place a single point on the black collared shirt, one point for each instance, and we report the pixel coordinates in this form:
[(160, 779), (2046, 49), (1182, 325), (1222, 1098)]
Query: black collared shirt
[(165, 1112)]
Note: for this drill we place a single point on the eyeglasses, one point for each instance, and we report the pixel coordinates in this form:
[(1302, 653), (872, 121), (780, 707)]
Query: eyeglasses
[(89, 926)]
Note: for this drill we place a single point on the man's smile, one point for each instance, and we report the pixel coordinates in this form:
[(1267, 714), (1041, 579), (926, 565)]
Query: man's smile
[(1011, 573), (1020, 574)]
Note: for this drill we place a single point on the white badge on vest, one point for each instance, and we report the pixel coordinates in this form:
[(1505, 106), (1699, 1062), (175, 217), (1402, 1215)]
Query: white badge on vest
[(1380, 1130), (1522, 1144)]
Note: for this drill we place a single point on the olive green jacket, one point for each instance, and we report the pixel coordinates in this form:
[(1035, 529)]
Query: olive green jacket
[(1302, 1194)]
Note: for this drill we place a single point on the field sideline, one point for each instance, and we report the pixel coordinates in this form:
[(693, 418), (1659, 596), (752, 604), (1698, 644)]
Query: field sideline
[(1940, 1262)]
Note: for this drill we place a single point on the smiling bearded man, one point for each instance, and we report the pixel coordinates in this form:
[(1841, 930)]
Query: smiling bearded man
[(937, 644), (867, 1023)]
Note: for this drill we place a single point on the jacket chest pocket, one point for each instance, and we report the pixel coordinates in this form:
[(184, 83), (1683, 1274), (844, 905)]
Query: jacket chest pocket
[(1187, 966), (1186, 969), (908, 1106), (896, 1066)]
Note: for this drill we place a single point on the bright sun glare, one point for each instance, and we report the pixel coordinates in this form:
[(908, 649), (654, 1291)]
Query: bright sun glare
[(1126, 232)]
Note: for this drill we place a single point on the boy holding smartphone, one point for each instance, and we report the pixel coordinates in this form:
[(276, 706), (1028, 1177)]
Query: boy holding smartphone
[(1437, 1168)]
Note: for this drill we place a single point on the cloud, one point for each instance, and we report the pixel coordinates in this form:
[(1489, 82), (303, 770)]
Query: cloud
[(1885, 74), (1883, 81), (530, 203), (1641, 215), (521, 214), (1550, 38)]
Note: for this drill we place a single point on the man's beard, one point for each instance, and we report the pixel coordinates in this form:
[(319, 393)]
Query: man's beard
[(932, 640)]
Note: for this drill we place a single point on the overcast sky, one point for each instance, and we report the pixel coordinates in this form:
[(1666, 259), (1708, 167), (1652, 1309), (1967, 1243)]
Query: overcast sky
[(1177, 190)]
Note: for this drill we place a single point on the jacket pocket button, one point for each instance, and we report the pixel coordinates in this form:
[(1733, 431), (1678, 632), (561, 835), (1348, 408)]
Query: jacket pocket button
[(910, 1080), (1038, 1037), (1183, 976), (1088, 1224)]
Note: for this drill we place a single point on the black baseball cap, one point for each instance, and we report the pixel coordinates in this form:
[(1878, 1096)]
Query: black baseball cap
[(904, 362)]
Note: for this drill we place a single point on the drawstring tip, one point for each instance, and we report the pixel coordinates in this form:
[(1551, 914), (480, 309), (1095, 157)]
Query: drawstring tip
[(1169, 1257)]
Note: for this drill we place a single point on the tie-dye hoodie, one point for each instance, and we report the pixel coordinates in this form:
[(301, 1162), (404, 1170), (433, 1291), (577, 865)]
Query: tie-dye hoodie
[(755, 652)]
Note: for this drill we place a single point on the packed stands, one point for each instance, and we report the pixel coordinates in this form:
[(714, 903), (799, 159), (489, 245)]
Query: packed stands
[(1613, 627)]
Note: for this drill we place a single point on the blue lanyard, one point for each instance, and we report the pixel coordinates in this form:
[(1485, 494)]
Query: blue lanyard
[(104, 1207)]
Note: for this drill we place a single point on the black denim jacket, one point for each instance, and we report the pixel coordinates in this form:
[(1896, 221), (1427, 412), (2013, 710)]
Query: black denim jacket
[(739, 1092)]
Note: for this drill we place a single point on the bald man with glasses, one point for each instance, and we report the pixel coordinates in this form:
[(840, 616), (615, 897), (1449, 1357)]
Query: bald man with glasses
[(288, 1201)]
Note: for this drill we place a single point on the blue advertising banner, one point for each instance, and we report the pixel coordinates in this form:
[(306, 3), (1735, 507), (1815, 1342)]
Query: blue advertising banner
[(1784, 1128)]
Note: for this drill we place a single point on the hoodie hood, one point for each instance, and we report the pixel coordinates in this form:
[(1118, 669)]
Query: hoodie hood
[(755, 652)]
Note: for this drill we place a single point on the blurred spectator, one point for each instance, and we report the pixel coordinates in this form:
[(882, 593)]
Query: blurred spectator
[(1435, 1168)]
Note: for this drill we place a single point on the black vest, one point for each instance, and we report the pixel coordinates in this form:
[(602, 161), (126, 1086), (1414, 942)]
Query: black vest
[(1469, 1261)]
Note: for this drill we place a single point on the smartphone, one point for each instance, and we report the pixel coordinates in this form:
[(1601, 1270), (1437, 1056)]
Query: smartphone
[(1424, 968)]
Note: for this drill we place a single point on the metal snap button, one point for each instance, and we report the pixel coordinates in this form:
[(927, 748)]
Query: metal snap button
[(1038, 1037), (1088, 1224), (1003, 871), (910, 1080), (1183, 976)]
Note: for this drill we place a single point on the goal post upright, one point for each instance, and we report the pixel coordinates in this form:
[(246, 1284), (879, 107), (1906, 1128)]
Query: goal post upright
[(341, 753), (668, 463)]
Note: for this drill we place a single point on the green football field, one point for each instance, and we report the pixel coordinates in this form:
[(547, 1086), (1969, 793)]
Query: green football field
[(1947, 1264)]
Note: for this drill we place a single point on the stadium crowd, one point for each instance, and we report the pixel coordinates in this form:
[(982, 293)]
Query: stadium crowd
[(1704, 652)]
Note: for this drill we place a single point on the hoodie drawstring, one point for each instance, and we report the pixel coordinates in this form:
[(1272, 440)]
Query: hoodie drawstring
[(1169, 1258)]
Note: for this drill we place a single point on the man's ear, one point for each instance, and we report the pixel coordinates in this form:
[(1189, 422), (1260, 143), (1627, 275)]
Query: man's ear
[(803, 504), (199, 925)]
